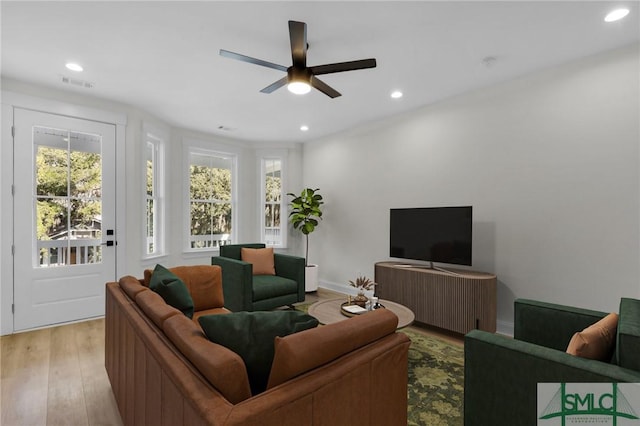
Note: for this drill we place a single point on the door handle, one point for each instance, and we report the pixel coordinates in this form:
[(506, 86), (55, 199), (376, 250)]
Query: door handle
[(109, 243)]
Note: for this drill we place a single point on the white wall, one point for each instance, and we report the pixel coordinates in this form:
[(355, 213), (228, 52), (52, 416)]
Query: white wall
[(130, 211), (550, 163)]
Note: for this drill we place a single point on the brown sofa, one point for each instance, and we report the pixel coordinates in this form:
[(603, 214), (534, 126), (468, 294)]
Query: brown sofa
[(164, 371)]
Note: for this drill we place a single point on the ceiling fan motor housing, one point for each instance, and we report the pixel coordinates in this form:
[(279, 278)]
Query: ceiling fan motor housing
[(302, 75)]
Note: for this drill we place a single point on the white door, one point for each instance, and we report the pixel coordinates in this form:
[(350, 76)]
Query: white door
[(64, 218)]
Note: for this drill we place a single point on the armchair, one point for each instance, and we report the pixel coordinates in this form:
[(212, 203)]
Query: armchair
[(244, 291), (501, 374)]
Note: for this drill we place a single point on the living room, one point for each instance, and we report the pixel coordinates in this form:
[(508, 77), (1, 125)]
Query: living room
[(549, 160)]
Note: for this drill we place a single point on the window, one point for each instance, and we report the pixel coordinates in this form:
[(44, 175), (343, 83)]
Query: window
[(154, 209), (211, 180), (68, 195), (272, 196)]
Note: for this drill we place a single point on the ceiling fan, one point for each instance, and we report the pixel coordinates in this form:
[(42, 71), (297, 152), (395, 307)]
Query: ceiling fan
[(300, 78)]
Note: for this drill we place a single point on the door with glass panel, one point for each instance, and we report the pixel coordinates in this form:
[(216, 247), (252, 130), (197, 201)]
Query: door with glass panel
[(64, 218)]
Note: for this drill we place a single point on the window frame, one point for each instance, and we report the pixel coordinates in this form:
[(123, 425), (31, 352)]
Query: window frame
[(193, 147), (284, 215), (158, 139)]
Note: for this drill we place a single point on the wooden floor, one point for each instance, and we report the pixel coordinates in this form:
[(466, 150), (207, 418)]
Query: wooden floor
[(56, 376)]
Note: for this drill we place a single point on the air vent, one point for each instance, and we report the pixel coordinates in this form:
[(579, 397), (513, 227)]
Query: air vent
[(77, 82)]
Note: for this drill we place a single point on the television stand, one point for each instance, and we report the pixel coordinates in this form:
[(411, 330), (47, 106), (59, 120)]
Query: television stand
[(458, 300)]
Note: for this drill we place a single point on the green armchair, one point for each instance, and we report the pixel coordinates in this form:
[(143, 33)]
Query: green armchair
[(501, 374), (244, 291)]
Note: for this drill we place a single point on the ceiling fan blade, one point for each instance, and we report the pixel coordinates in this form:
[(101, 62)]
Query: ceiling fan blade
[(274, 86), (298, 38), (251, 60), (324, 87), (343, 66)]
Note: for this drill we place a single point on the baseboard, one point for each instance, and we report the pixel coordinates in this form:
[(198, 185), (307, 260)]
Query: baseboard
[(339, 288), (504, 327)]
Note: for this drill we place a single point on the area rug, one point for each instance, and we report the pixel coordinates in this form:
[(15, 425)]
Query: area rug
[(436, 380)]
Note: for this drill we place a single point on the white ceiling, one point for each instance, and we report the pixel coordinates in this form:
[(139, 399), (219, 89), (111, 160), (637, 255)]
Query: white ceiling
[(162, 57)]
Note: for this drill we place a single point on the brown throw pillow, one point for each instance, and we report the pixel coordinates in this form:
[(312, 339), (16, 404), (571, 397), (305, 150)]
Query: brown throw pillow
[(262, 260), (597, 340)]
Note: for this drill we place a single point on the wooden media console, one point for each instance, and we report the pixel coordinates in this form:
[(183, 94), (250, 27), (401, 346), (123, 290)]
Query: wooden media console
[(459, 300)]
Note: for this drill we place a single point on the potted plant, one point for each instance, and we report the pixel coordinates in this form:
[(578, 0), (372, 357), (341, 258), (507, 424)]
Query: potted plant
[(305, 216), (362, 284)]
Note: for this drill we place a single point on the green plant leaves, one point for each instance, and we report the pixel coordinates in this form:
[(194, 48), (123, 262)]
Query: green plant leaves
[(306, 212)]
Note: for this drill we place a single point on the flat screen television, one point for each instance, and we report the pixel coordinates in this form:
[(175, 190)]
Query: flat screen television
[(433, 234)]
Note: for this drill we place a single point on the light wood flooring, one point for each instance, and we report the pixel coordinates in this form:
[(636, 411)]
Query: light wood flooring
[(56, 376)]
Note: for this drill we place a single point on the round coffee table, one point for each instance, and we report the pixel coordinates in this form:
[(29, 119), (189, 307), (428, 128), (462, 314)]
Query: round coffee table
[(328, 311)]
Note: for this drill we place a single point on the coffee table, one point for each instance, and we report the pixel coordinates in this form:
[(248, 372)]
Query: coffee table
[(328, 311)]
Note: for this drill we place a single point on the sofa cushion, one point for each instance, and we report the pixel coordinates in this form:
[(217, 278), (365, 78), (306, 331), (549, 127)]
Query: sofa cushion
[(203, 281), (131, 286), (261, 259), (251, 335), (212, 311), (628, 339), (172, 290), (596, 341), (301, 352), (154, 306), (270, 286), (223, 368)]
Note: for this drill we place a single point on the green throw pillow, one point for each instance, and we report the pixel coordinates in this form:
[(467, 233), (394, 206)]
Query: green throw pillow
[(251, 335), (171, 289)]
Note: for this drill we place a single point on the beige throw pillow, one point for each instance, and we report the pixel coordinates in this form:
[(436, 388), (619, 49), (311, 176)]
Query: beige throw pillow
[(596, 341), (262, 260)]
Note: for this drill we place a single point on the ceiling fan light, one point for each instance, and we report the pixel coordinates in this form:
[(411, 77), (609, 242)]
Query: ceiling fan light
[(299, 87)]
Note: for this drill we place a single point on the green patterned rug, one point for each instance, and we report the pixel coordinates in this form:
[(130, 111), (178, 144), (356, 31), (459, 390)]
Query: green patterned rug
[(436, 380)]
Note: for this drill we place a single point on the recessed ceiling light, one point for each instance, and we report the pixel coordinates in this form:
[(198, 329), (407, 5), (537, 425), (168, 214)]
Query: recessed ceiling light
[(304, 128), (396, 94), (74, 67), (489, 61), (616, 15)]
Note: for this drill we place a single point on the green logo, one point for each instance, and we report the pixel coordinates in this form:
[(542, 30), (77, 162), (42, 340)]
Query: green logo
[(590, 406)]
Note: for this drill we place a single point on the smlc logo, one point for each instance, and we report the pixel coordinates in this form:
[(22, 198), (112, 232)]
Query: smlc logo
[(588, 403)]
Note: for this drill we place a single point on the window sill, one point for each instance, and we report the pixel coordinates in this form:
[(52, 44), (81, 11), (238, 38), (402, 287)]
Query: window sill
[(200, 253), (156, 258)]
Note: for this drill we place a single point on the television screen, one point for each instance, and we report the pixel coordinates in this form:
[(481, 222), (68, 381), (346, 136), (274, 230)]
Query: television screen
[(434, 234)]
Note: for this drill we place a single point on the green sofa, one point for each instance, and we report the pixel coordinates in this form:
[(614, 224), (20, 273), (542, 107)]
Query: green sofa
[(501, 374), (244, 291)]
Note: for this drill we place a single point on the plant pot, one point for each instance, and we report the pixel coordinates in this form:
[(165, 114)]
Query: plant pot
[(311, 278)]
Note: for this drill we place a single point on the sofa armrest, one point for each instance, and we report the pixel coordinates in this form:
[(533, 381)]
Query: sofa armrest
[(237, 283), (549, 324), (291, 267), (501, 376)]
